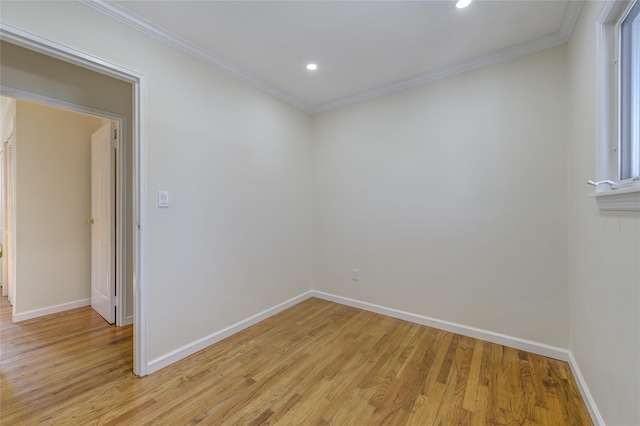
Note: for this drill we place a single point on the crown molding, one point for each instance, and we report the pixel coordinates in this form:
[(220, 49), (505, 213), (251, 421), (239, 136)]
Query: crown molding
[(137, 22), (569, 19), (36, 43), (535, 45), (490, 58)]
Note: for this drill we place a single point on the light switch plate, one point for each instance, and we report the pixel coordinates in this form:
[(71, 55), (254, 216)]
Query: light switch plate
[(163, 199)]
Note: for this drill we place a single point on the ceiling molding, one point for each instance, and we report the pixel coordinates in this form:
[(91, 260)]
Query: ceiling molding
[(490, 58), (569, 19), (36, 43), (113, 10), (535, 45)]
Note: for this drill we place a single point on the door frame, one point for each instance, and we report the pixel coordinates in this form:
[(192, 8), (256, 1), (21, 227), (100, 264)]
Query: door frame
[(138, 82), (9, 260), (120, 179)]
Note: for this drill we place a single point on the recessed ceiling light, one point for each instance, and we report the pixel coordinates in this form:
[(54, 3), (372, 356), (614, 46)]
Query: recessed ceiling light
[(461, 4), (312, 67)]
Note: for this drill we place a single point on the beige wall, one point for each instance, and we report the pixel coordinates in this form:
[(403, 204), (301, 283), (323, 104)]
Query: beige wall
[(7, 126), (53, 190), (450, 199), (604, 252), (237, 237)]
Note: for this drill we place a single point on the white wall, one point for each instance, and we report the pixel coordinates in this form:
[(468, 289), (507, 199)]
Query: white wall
[(53, 201), (237, 237), (604, 252), (450, 199), (459, 200)]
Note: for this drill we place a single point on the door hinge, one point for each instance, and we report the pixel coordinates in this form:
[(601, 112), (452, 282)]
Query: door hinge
[(114, 142)]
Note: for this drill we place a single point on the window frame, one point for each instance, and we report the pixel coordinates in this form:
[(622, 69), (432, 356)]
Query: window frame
[(626, 194), (629, 62)]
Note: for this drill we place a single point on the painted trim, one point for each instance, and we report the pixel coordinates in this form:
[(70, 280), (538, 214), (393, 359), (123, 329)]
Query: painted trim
[(569, 19), (159, 33), (35, 313), (57, 103), (128, 320), (544, 42), (606, 128), (140, 237), (584, 391), (627, 197), (477, 333), (122, 223), (30, 41), (623, 199), (535, 45), (489, 336), (491, 58), (138, 80), (193, 347)]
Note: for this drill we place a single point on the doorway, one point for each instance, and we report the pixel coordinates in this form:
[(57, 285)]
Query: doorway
[(53, 268), (134, 121)]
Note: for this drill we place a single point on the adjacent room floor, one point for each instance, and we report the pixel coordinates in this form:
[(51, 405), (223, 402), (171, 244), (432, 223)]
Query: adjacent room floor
[(316, 363)]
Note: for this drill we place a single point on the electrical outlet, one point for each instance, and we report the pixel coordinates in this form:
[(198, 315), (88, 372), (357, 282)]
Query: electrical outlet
[(355, 275)]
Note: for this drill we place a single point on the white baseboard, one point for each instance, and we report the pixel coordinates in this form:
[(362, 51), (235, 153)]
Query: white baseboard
[(584, 390), (501, 339), (191, 348), (128, 320), (489, 336), (23, 316)]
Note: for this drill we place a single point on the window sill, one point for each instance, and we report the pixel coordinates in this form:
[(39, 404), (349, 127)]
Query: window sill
[(622, 199)]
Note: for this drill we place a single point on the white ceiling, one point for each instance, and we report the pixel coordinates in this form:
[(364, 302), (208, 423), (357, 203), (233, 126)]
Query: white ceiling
[(362, 48)]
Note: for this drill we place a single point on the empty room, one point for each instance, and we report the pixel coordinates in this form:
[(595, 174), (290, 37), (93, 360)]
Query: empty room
[(322, 212)]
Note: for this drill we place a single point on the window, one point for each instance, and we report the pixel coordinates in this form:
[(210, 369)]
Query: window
[(618, 167), (629, 65)]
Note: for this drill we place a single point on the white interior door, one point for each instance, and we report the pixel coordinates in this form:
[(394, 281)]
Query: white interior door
[(102, 222)]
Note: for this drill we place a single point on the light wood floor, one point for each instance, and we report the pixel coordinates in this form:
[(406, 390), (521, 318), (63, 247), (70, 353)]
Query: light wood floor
[(317, 363)]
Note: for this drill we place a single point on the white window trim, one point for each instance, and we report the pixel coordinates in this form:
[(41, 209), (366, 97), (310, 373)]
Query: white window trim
[(627, 196), (623, 199)]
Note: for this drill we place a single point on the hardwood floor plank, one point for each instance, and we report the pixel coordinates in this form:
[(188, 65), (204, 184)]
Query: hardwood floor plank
[(424, 409), (470, 393), (317, 363), (479, 413)]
